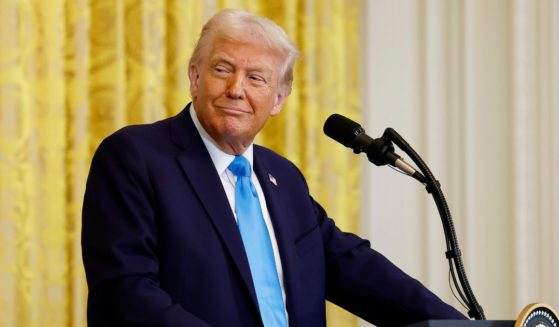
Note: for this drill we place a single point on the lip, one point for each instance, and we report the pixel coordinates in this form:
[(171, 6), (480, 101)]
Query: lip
[(231, 110)]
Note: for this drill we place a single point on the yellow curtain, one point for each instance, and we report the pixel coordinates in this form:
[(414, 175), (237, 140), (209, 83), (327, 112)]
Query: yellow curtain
[(74, 71)]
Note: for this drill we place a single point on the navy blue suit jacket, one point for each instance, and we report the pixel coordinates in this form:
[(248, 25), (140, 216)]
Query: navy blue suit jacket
[(161, 246)]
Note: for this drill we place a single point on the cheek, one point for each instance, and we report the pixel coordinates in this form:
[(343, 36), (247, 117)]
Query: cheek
[(264, 99), (215, 86), (206, 88)]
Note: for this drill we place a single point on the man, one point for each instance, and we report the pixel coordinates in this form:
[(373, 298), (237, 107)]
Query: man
[(187, 223)]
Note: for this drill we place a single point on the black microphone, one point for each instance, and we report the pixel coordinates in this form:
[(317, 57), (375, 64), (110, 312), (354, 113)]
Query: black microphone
[(379, 151)]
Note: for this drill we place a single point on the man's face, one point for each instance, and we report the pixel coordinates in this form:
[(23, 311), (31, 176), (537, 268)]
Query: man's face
[(235, 89)]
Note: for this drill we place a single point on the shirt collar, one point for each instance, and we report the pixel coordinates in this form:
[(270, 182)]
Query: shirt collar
[(220, 159)]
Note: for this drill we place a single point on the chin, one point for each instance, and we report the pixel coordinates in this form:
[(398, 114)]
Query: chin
[(232, 127)]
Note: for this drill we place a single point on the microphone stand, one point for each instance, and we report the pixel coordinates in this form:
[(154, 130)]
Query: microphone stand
[(453, 251)]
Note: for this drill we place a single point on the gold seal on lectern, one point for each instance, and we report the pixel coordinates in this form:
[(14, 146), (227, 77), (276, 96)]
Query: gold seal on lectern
[(537, 315)]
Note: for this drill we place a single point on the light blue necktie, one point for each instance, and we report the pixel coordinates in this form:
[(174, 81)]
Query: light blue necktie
[(258, 246)]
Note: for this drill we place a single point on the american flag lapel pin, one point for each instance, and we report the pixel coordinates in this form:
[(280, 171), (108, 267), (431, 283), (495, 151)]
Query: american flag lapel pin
[(272, 179)]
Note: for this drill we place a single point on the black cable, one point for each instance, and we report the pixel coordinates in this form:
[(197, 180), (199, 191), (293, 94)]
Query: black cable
[(452, 283), (461, 297)]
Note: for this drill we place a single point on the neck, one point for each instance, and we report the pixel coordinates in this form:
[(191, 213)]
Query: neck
[(232, 148)]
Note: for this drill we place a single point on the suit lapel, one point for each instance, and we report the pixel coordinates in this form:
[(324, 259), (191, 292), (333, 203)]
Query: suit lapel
[(279, 213), (200, 171)]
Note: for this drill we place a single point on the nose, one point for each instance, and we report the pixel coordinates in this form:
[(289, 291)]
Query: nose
[(235, 87)]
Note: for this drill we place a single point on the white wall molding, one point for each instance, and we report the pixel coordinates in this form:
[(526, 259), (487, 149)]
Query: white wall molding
[(536, 142), (474, 87)]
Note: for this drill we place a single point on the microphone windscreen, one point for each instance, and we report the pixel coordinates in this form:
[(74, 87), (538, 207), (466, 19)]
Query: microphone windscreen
[(342, 129)]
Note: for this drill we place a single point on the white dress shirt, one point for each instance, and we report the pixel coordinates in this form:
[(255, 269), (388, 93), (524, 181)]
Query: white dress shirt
[(221, 161)]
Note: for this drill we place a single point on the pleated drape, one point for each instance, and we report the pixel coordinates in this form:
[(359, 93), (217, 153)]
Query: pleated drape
[(73, 72)]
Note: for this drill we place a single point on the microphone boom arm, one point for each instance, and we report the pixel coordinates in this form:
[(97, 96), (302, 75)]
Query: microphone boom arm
[(453, 251)]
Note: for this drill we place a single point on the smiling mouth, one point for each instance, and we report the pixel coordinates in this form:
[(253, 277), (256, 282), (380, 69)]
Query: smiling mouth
[(231, 110)]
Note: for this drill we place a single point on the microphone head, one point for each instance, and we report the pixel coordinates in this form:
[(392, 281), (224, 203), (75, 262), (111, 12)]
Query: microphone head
[(342, 129)]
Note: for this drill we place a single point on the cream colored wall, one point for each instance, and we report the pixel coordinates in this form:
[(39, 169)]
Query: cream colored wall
[(473, 86)]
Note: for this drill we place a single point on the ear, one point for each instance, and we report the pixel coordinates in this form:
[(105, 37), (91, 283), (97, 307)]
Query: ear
[(194, 77), (278, 103)]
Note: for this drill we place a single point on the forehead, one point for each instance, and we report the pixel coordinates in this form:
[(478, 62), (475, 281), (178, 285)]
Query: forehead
[(252, 55)]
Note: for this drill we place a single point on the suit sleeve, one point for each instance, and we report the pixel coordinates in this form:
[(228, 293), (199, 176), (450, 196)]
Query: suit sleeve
[(366, 283), (120, 243)]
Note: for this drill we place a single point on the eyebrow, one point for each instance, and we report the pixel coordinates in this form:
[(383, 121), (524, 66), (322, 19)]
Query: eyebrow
[(221, 57)]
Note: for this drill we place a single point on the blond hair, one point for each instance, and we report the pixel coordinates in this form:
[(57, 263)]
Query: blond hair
[(244, 27)]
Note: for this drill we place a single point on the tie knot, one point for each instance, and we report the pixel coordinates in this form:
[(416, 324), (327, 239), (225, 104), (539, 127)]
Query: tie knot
[(240, 166)]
